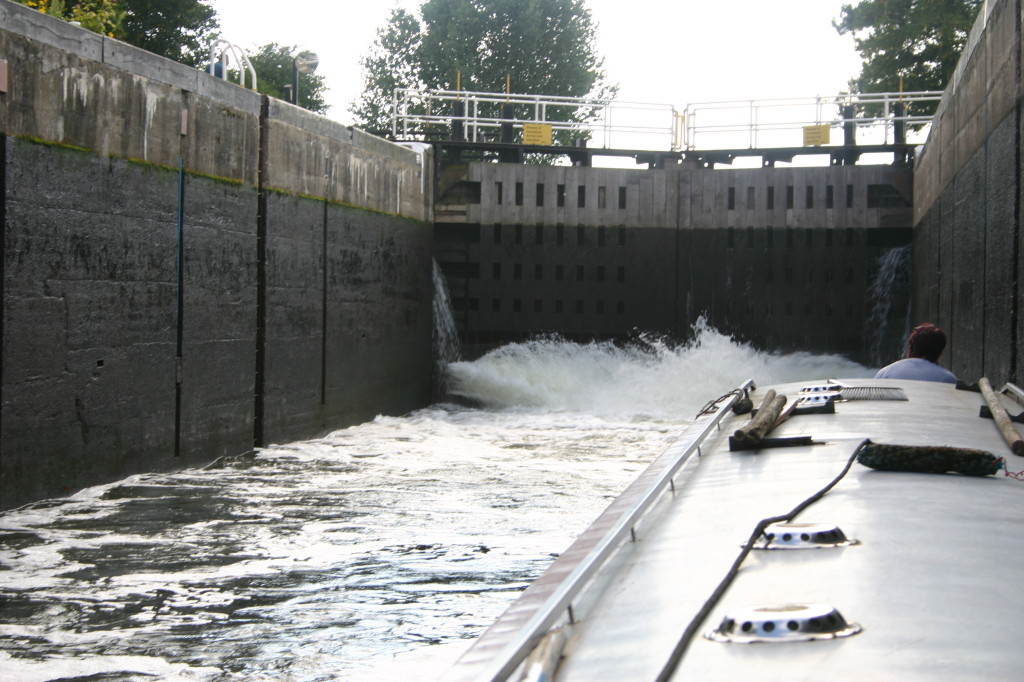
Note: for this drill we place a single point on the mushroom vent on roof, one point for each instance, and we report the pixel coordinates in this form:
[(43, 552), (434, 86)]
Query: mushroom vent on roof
[(802, 536), (784, 623)]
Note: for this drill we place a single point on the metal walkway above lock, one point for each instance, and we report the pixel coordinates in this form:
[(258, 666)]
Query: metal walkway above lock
[(709, 133)]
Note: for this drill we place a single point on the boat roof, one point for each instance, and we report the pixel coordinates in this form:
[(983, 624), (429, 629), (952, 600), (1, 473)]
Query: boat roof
[(930, 583)]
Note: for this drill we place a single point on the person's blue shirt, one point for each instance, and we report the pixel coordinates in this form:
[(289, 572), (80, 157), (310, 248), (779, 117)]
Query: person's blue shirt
[(918, 369)]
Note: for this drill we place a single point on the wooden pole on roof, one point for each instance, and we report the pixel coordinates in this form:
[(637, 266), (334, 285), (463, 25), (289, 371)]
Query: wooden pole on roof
[(1006, 427)]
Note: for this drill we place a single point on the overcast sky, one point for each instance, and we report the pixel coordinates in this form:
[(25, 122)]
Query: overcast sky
[(674, 52)]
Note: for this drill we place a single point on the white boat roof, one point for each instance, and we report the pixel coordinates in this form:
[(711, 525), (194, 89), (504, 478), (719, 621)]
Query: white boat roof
[(933, 580)]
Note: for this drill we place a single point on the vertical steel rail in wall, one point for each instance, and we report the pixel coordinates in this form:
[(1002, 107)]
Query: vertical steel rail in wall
[(323, 318), (180, 334), (1014, 284), (3, 237), (261, 275)]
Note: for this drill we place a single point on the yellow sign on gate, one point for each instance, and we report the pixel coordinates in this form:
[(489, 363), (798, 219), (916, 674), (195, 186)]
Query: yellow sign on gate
[(815, 136), (537, 134)]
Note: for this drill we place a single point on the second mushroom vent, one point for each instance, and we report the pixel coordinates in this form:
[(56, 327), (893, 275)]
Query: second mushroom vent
[(802, 536)]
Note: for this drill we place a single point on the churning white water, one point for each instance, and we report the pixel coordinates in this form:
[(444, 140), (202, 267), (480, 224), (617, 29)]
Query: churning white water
[(375, 553)]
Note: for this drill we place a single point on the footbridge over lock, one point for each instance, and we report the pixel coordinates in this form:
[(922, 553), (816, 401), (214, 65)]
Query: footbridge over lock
[(558, 237)]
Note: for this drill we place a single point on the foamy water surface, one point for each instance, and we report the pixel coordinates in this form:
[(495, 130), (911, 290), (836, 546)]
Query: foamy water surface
[(377, 552)]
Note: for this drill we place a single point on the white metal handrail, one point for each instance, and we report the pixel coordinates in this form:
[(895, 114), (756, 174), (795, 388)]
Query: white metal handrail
[(739, 123), (642, 495), (414, 111), (1014, 392), (751, 118), (224, 56)]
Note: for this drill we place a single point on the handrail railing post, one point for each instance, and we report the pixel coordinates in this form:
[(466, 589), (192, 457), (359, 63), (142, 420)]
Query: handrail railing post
[(394, 115), (691, 131), (885, 116), (473, 117), (607, 127), (751, 124)]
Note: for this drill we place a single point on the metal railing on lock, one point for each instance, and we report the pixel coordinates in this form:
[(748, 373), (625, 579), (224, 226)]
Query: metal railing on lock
[(638, 499), (431, 113), (611, 124), (227, 58), (755, 120)]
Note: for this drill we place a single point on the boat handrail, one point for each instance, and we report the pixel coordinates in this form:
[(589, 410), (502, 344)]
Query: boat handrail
[(638, 499), (1014, 392)]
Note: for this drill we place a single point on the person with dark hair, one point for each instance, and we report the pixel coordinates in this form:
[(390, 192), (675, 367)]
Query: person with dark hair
[(924, 347)]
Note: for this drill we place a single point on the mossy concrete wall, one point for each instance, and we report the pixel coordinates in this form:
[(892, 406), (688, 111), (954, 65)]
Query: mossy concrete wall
[(968, 190), (302, 301)]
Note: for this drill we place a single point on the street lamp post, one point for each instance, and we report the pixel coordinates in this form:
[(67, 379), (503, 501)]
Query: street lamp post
[(304, 62)]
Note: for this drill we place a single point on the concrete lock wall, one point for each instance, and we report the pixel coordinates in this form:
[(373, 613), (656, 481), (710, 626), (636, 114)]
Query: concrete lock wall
[(304, 299), (967, 245), (782, 257)]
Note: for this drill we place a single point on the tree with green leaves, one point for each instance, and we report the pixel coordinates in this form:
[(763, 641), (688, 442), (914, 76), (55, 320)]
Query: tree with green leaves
[(99, 16), (274, 66), (913, 44), (178, 29), (545, 47), (391, 63)]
